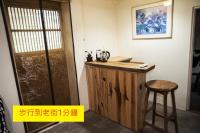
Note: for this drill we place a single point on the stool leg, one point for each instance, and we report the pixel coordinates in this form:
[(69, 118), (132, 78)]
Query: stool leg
[(146, 105), (154, 108), (174, 111), (165, 113)]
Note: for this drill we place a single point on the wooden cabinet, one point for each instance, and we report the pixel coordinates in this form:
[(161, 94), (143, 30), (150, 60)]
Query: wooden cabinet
[(117, 94)]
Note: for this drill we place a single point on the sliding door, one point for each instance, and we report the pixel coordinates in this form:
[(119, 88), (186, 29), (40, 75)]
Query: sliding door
[(56, 52), (30, 56), (42, 47)]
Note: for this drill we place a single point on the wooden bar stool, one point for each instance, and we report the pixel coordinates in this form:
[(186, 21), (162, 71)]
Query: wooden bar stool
[(161, 87)]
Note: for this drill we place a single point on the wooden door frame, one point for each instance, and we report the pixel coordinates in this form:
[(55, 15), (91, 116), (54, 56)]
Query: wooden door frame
[(9, 39), (191, 57), (10, 42)]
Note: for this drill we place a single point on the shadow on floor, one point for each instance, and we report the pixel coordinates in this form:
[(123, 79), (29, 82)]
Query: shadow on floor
[(195, 102), (94, 123)]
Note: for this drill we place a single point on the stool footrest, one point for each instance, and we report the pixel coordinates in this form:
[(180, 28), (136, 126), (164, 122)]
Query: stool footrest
[(153, 126), (169, 117)]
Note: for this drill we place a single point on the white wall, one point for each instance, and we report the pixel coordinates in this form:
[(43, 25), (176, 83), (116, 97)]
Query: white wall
[(8, 90), (94, 27), (107, 24), (96, 22), (171, 56)]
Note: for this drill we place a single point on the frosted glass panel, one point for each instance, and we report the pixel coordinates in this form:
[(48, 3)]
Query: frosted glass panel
[(26, 28)]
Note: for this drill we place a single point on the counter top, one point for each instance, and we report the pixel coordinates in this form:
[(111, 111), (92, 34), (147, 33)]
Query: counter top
[(128, 66), (120, 59)]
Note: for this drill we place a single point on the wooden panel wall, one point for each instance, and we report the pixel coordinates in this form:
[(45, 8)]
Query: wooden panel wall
[(117, 95)]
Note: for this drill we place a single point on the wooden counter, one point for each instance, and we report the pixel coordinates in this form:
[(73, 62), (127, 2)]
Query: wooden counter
[(128, 66), (120, 59), (116, 90)]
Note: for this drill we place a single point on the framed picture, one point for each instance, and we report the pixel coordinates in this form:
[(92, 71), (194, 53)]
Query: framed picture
[(153, 20)]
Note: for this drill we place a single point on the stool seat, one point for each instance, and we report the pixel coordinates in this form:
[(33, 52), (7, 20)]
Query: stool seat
[(161, 85)]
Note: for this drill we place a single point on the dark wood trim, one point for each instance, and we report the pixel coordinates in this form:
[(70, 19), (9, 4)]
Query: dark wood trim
[(47, 52), (30, 4), (37, 30), (74, 52), (154, 108), (40, 52), (68, 44), (174, 114)]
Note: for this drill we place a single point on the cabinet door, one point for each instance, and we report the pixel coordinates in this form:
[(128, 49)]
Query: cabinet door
[(127, 104), (117, 96), (113, 95), (93, 82), (107, 96), (102, 93), (141, 92)]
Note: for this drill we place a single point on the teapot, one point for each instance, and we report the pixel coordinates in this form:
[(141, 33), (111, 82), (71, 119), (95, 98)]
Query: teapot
[(89, 57), (102, 56)]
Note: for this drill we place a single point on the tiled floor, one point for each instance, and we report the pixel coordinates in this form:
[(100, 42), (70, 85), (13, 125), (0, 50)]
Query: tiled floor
[(188, 123)]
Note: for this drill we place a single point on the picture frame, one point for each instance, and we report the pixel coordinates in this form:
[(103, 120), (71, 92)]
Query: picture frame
[(153, 21)]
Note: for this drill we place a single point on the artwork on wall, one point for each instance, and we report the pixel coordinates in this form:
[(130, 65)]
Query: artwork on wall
[(153, 20)]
